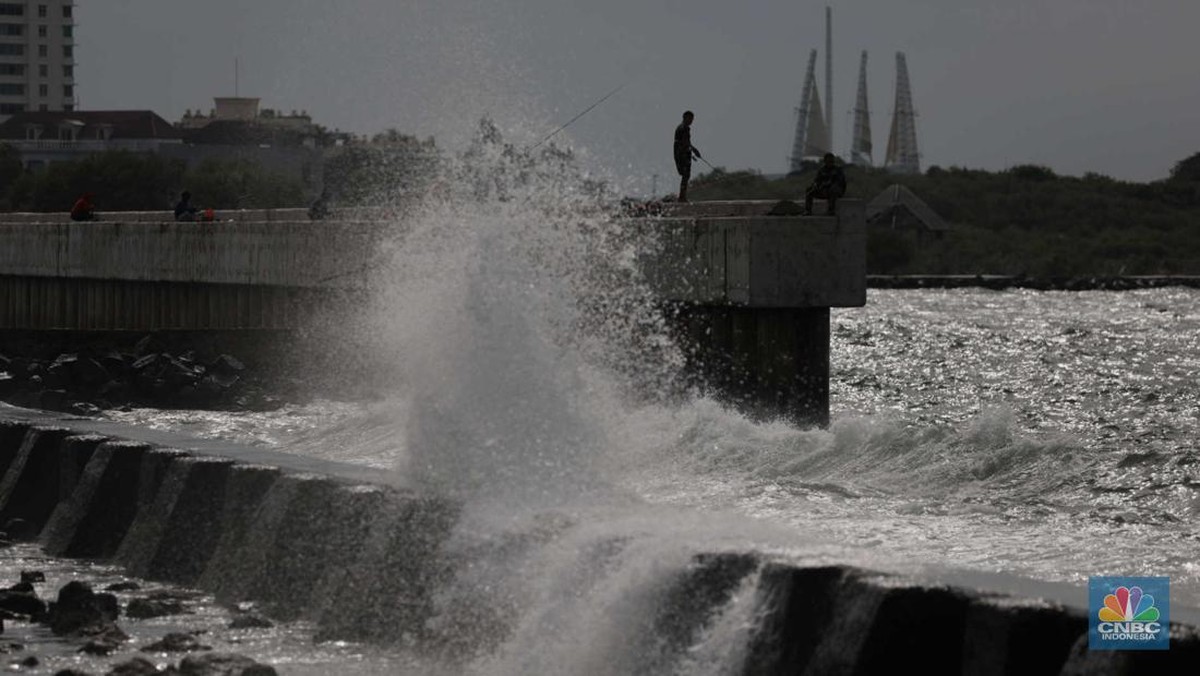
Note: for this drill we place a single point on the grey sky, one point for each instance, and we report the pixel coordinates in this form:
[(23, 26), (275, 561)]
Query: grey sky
[(1079, 85)]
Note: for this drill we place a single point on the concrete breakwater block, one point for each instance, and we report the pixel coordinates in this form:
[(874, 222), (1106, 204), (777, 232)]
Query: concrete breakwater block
[(29, 488), (93, 520), (172, 537), (842, 620), (386, 593), (366, 561)]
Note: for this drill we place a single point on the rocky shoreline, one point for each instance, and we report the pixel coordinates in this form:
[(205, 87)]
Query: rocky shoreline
[(85, 374), (86, 622), (1003, 282)]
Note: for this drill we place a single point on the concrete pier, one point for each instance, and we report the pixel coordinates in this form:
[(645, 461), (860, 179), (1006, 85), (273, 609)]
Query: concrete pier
[(748, 291), (750, 294)]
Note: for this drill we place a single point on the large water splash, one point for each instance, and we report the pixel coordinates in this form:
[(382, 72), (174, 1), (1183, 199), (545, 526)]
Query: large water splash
[(515, 318)]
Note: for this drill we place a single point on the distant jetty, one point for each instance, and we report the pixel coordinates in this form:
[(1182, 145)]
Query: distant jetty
[(1001, 282)]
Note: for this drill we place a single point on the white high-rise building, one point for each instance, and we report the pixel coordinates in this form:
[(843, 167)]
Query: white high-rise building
[(37, 56)]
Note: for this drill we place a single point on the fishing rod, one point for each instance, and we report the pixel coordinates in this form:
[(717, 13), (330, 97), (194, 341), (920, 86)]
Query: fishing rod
[(585, 111)]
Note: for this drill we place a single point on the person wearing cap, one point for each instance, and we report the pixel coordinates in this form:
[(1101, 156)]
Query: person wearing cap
[(829, 185), (84, 209)]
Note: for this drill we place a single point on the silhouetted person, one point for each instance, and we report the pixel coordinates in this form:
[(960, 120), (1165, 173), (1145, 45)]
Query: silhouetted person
[(84, 210), (829, 185), (184, 211), (684, 151), (319, 210)]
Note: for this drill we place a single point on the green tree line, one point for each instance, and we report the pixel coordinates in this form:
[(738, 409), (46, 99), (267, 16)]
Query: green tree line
[(125, 181), (1025, 220)]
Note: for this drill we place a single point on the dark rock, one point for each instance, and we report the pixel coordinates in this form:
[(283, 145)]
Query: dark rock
[(81, 610), (89, 372), (138, 666), (109, 632), (123, 586), (150, 343), (22, 603), (30, 662), (142, 609), (178, 373), (85, 408), (63, 368), (8, 383), (146, 362), (175, 642), (114, 362), (226, 365), (250, 621), (33, 576), (98, 647), (223, 664), (20, 530), (23, 587), (71, 672)]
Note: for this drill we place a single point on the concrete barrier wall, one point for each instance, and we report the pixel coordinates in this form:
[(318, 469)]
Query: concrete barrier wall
[(61, 303), (361, 559), (759, 261), (275, 253)]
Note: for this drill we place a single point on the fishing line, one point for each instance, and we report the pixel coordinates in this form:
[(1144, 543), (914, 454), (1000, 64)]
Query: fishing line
[(585, 111)]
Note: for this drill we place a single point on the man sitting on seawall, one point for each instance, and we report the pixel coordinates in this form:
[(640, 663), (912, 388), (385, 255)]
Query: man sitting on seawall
[(829, 185)]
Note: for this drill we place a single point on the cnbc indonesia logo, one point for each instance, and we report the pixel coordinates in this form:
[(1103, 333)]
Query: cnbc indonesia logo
[(1126, 615)]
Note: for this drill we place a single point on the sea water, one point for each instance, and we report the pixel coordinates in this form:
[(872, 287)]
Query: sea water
[(1043, 434)]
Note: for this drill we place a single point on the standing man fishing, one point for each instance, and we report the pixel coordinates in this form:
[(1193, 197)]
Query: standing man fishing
[(684, 151)]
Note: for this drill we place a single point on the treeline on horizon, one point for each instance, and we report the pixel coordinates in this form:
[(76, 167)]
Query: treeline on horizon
[(1026, 220)]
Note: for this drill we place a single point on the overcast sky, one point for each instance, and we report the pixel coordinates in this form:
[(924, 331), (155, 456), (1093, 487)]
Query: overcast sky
[(1109, 86)]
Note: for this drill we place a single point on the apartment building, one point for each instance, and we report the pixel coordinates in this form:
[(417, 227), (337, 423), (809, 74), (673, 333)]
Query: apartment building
[(37, 56)]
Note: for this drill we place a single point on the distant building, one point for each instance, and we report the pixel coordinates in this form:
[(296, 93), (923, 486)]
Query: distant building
[(237, 128), (55, 136), (899, 208), (37, 57)]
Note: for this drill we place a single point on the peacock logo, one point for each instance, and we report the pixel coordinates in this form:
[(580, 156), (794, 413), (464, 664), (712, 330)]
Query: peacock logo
[(1129, 613), (1128, 604)]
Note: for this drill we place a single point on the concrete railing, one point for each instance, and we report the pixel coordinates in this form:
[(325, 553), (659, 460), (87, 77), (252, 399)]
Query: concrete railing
[(320, 541)]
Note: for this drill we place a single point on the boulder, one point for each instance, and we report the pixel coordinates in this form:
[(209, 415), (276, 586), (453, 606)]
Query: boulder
[(142, 609), (138, 666), (63, 367), (123, 586), (32, 576), (226, 365), (81, 610), (175, 642), (250, 621), (22, 603), (223, 664), (149, 344), (89, 372)]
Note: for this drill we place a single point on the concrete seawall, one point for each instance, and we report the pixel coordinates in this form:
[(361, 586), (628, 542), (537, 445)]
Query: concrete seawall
[(325, 542)]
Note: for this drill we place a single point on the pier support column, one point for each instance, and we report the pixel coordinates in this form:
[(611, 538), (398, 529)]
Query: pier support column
[(769, 362)]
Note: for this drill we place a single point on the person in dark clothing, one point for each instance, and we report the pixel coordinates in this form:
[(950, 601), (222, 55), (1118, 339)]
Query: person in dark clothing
[(829, 185), (684, 152), (319, 210), (184, 211), (84, 210)]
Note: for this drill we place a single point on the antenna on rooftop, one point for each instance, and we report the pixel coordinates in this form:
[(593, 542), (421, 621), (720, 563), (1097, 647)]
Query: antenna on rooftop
[(236, 77)]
